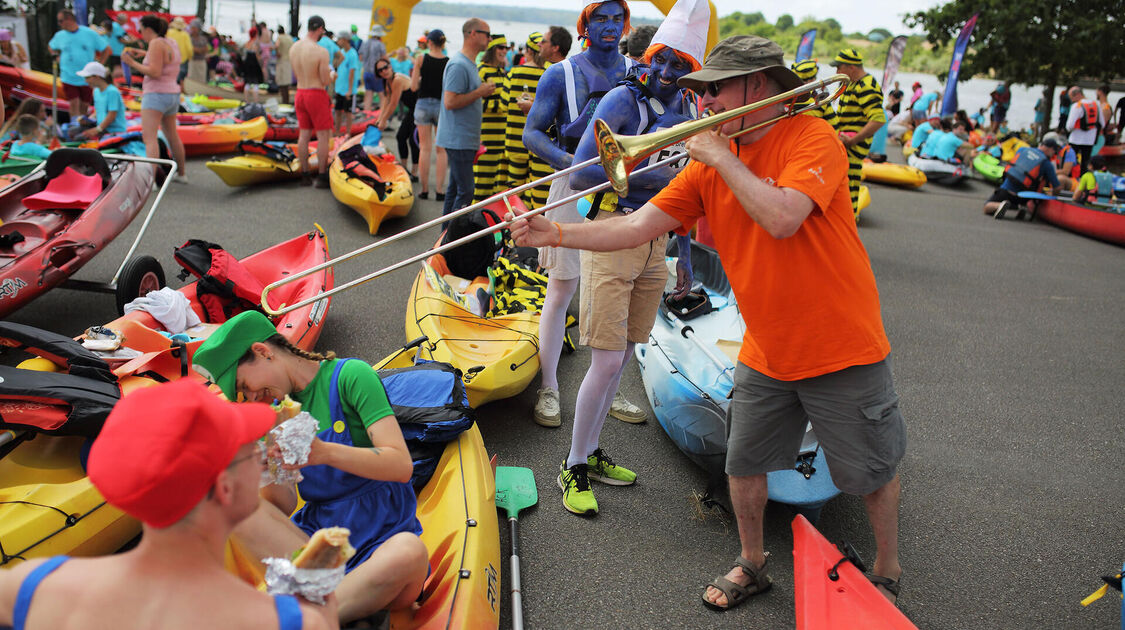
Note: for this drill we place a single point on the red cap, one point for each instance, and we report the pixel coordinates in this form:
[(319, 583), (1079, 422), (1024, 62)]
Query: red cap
[(163, 447)]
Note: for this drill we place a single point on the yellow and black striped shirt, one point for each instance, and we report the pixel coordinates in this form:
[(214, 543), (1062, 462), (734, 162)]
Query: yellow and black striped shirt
[(522, 165), (861, 103), (825, 111)]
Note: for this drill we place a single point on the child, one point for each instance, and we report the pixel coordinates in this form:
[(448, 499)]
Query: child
[(1095, 185), (30, 138), (109, 107), (358, 471)]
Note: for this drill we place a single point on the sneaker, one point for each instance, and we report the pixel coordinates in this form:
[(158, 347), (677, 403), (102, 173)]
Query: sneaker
[(626, 411), (322, 181), (577, 495), (999, 214), (180, 179), (601, 468), (547, 408), (424, 195)]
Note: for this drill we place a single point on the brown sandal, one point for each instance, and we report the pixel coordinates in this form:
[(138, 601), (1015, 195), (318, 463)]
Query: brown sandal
[(760, 582), (892, 586)]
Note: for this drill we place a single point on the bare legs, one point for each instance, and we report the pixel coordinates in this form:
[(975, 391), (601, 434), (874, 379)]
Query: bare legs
[(425, 143)]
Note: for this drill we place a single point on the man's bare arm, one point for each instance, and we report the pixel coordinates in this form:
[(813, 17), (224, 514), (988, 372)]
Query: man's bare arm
[(634, 229)]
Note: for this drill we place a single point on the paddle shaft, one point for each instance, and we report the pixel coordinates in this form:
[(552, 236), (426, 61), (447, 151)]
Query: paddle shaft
[(55, 94), (517, 597)]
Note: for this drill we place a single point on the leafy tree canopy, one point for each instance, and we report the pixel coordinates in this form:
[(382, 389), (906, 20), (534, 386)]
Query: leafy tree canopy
[(784, 22)]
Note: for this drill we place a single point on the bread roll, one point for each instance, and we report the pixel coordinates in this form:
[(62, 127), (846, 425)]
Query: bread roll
[(327, 549)]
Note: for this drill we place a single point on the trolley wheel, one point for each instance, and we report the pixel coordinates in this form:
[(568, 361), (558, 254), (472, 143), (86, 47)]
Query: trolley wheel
[(141, 275)]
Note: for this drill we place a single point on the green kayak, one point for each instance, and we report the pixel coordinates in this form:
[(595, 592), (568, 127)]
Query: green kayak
[(989, 167), (18, 165)]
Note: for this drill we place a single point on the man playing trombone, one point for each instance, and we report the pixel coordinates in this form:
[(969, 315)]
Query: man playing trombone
[(778, 202), (621, 289)]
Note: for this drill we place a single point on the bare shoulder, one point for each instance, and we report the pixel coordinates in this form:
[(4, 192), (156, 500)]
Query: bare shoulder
[(10, 581)]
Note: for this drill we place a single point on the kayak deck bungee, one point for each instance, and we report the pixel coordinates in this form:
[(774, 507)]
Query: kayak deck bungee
[(47, 504)]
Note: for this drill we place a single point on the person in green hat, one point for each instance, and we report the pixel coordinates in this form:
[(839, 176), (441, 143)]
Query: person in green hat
[(861, 114), (358, 470)]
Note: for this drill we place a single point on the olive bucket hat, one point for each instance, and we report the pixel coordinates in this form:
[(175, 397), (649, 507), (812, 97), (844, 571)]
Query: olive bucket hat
[(738, 56)]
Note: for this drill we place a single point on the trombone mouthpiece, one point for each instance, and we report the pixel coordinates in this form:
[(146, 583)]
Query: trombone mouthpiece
[(613, 160)]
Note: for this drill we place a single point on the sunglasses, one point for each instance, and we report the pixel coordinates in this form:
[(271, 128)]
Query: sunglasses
[(487, 34), (713, 88)]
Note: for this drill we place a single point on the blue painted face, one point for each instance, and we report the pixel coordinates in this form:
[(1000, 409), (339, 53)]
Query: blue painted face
[(666, 68), (607, 21)]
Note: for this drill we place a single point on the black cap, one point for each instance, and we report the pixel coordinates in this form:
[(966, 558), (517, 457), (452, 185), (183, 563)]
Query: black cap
[(1051, 143), (316, 22)]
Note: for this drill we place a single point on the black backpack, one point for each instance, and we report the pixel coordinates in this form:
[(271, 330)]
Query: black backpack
[(472, 259)]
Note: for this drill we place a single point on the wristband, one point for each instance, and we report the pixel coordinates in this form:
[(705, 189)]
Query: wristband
[(559, 228)]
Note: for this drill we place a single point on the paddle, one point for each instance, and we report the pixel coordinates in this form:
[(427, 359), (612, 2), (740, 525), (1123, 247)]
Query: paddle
[(55, 93), (515, 491), (1029, 194)]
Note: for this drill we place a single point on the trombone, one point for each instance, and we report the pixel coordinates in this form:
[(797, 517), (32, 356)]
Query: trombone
[(619, 156)]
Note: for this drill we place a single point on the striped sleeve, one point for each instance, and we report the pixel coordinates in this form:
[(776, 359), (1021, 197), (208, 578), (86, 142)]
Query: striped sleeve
[(861, 103)]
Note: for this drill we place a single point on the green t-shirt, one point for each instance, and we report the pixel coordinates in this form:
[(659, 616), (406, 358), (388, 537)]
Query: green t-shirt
[(361, 395), (1087, 181)]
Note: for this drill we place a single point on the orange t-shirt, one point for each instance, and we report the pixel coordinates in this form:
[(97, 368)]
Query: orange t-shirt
[(809, 301)]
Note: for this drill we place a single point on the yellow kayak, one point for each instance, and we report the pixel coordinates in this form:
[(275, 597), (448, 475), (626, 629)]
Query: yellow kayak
[(248, 170), (1009, 147), (352, 188), (215, 103), (894, 174)]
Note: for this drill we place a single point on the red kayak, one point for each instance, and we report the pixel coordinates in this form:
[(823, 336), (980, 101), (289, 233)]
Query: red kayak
[(1103, 223), (58, 218), (849, 601), (284, 128)]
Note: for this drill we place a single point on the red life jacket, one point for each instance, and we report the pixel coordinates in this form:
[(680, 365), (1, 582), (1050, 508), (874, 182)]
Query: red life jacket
[(225, 287), (1089, 117), (1075, 171)]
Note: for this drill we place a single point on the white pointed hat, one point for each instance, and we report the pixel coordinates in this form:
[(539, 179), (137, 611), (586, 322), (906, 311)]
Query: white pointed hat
[(685, 28)]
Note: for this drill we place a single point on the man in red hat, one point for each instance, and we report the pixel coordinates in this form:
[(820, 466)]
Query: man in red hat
[(187, 465)]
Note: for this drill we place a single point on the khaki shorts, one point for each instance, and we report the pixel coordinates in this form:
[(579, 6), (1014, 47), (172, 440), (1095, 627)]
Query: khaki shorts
[(621, 292), (561, 262)]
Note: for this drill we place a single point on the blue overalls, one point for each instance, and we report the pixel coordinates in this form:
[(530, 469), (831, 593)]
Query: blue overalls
[(288, 610), (373, 510)]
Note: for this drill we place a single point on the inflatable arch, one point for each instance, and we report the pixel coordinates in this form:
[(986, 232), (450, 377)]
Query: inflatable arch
[(394, 16)]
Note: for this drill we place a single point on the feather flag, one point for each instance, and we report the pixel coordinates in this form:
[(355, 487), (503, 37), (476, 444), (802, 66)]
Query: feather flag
[(949, 101), (804, 49)]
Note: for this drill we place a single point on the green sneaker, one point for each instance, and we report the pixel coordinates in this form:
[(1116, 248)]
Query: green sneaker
[(577, 495), (604, 470)]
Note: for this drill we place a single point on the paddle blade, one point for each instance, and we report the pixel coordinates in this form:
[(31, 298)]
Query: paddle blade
[(515, 489)]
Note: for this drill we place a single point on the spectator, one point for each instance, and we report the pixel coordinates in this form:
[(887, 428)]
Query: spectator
[(355, 39), (1029, 171), (1065, 161), (335, 56), (109, 107), (401, 62), (197, 481), (284, 68), (1040, 118), (1064, 109), (160, 95), (899, 125), (925, 105), (426, 82), (398, 91), (12, 53), (112, 32), (1084, 122), (253, 73), (922, 131), (806, 71), (200, 49), (347, 83), (31, 142), (312, 69), (1001, 97), (1096, 185), (489, 170), (370, 52), (177, 32), (894, 100), (458, 129), (76, 46), (916, 93), (636, 42)]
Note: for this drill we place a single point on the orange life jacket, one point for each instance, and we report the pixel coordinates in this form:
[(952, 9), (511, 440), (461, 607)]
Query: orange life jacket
[(1089, 116)]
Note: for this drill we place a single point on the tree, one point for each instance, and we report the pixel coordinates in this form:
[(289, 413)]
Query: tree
[(785, 22), (832, 24), (1046, 42), (879, 34)]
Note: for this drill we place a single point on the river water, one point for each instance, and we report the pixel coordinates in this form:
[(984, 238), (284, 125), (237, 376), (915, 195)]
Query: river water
[(233, 17)]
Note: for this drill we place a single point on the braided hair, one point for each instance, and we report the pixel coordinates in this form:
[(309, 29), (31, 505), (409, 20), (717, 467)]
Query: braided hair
[(279, 342)]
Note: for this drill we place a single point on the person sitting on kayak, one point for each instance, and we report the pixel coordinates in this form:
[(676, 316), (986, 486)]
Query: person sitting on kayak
[(990, 146), (1065, 161), (109, 107), (953, 146), (1031, 168), (1095, 185), (190, 479), (357, 473), (923, 130), (27, 126)]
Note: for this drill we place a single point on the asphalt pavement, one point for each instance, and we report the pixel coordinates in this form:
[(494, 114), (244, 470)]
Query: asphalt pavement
[(1007, 344)]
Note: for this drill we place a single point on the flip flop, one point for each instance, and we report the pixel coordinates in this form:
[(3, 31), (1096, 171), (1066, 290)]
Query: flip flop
[(892, 586), (760, 582)]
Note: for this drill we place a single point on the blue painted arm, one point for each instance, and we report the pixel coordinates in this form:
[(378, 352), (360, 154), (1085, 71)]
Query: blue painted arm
[(619, 110), (684, 276), (547, 108)]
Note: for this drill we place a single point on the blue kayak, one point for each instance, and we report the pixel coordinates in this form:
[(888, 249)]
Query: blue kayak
[(687, 368)]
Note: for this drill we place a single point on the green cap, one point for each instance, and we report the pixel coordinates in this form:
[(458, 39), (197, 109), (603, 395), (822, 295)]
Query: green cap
[(740, 55), (217, 357)]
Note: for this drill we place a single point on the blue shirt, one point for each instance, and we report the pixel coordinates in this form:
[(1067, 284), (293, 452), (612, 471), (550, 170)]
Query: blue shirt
[(1033, 164), (77, 49), (350, 62), (332, 48), (30, 149), (405, 66), (923, 103), (106, 101), (947, 147), (116, 46), (460, 128), (921, 132), (928, 149)]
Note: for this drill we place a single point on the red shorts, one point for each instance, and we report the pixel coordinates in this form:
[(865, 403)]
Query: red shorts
[(314, 110), (83, 92)]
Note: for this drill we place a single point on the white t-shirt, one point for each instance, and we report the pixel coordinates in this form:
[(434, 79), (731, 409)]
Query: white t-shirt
[(901, 118), (1083, 136)]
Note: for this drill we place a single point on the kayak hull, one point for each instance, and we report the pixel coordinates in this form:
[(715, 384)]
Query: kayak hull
[(893, 174), (938, 171), (989, 167), (361, 197), (1103, 224), (57, 243), (214, 139), (250, 170)]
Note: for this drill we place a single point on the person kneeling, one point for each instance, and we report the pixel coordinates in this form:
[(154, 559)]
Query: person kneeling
[(358, 470)]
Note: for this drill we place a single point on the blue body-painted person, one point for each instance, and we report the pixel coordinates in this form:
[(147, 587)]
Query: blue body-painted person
[(357, 472), (621, 290), (190, 479), (564, 103)]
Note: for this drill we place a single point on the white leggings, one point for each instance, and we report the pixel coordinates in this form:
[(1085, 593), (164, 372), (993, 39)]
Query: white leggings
[(595, 395), (552, 327)]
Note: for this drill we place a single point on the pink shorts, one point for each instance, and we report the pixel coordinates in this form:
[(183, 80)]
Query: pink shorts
[(314, 110)]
